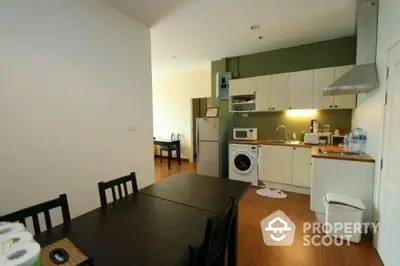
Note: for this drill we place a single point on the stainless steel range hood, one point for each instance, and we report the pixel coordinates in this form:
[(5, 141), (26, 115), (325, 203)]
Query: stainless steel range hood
[(363, 77)]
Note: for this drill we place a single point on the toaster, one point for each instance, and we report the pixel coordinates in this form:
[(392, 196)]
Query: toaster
[(311, 138)]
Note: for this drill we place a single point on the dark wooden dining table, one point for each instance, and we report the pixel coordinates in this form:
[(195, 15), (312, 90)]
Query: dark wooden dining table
[(152, 227), (170, 144), (141, 230), (203, 193)]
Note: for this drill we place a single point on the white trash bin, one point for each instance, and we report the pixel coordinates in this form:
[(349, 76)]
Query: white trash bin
[(344, 217)]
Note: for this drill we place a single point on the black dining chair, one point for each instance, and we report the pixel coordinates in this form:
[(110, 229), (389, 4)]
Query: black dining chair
[(122, 181), (216, 238), (33, 211), (166, 148)]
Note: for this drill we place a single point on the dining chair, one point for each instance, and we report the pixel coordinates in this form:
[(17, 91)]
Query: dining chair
[(166, 147), (33, 211), (216, 237), (122, 181)]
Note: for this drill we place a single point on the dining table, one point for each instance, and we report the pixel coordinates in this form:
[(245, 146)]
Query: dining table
[(153, 226), (171, 145), (205, 193)]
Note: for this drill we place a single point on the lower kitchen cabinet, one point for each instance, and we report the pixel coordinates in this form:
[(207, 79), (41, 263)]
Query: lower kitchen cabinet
[(285, 164), (275, 163), (301, 170)]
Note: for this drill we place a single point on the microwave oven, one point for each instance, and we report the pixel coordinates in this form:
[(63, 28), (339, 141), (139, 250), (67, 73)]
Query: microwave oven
[(245, 134)]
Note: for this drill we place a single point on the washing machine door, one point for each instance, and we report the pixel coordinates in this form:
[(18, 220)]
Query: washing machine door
[(243, 163)]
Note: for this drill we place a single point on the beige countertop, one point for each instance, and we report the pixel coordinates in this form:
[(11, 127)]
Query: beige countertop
[(314, 150)]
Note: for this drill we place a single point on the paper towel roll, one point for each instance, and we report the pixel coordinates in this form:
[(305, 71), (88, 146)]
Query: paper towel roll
[(24, 254), (9, 228), (13, 239)]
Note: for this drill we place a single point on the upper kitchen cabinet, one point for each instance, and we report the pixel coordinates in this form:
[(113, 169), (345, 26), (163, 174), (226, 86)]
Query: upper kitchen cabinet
[(301, 90), (264, 93), (344, 101), (323, 78), (244, 86), (280, 92)]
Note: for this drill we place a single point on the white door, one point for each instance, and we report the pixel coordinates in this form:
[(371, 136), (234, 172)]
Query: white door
[(344, 101), (389, 199), (323, 78), (208, 129), (301, 172), (208, 158), (242, 86), (280, 92), (301, 90), (263, 96), (275, 164)]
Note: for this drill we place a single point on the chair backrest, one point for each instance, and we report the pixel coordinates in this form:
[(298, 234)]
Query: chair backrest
[(122, 181), (33, 211), (175, 136), (216, 237)]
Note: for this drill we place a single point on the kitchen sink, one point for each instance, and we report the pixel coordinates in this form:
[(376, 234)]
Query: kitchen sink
[(275, 141), (345, 153)]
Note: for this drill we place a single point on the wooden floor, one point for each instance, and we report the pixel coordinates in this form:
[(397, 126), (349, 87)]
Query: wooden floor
[(251, 248)]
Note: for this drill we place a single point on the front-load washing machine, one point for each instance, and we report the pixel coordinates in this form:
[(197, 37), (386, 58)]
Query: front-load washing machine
[(243, 163)]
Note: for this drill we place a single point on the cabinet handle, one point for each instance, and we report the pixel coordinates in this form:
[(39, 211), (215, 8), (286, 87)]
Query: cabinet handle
[(335, 106), (290, 107), (273, 108), (331, 106), (294, 148)]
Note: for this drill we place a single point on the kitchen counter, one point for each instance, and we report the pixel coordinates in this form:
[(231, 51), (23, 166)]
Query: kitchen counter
[(265, 142), (358, 158), (314, 150)]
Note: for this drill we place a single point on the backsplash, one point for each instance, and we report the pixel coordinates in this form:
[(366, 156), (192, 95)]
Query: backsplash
[(268, 122)]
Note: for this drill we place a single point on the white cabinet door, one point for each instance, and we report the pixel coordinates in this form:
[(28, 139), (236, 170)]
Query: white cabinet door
[(344, 101), (323, 78), (275, 163), (301, 90), (242, 86), (301, 171), (280, 92), (263, 96)]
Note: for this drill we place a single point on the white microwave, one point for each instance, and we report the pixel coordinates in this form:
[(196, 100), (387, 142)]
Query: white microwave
[(245, 133)]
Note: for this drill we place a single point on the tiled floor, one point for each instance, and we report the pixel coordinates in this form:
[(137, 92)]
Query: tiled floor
[(251, 248)]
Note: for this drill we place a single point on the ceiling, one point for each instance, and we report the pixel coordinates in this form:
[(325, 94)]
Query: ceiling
[(200, 31)]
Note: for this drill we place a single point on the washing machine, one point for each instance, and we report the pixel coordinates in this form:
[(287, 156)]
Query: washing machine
[(243, 163)]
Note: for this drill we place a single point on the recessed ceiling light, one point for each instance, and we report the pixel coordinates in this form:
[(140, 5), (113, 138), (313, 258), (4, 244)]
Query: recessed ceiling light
[(255, 27), (174, 57)]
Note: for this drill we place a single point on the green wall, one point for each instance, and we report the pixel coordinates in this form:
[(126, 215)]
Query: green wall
[(330, 53)]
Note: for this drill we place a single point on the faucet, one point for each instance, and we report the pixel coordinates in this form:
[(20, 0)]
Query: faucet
[(282, 126)]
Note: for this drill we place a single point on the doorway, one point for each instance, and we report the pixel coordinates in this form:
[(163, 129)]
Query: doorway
[(199, 109)]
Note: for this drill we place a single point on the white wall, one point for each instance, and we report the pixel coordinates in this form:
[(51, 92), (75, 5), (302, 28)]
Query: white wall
[(74, 77), (172, 104), (370, 111)]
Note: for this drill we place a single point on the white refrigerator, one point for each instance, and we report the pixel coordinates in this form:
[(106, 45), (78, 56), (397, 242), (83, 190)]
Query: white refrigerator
[(212, 147)]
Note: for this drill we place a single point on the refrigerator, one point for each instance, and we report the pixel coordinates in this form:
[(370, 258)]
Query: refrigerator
[(212, 147)]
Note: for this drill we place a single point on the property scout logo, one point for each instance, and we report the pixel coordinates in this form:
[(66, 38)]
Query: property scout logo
[(278, 230)]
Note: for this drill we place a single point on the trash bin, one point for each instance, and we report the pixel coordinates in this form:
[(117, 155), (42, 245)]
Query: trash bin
[(344, 217)]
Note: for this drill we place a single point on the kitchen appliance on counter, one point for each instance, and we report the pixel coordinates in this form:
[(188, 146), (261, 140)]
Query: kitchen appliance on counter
[(337, 139), (243, 163), (311, 138), (212, 147), (245, 133)]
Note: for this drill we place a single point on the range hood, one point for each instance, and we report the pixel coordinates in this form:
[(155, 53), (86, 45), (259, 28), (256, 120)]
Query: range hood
[(363, 77)]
